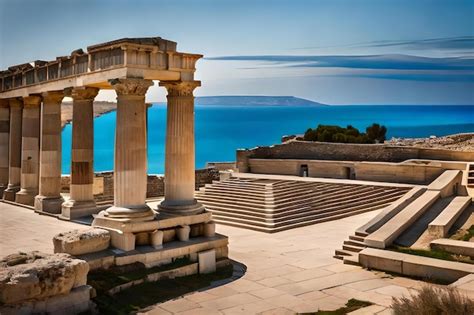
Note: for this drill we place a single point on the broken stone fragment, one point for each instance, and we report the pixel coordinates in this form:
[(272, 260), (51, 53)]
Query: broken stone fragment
[(78, 242), (36, 275)]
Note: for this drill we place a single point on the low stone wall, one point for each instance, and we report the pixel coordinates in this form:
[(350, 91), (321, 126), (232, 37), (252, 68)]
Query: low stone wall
[(346, 152), (221, 166), (409, 173), (104, 183)]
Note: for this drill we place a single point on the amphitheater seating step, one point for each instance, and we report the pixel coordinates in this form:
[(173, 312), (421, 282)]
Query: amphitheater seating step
[(269, 205)]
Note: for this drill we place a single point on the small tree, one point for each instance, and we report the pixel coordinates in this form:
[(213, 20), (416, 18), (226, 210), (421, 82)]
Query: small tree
[(376, 133)]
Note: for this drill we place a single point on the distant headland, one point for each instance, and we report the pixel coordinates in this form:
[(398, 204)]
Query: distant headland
[(249, 100)]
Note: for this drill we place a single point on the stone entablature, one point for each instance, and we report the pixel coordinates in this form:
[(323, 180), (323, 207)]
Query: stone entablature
[(150, 58)]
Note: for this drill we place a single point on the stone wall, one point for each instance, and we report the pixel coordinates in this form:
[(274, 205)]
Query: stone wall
[(104, 183), (409, 173), (346, 152)]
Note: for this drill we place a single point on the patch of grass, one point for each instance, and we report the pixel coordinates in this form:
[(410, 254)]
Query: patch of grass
[(469, 234), (464, 235), (351, 305), (433, 300), (150, 293), (433, 253)]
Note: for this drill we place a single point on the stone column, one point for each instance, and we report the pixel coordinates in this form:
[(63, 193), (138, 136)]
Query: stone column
[(49, 198), (179, 158), (4, 139), (130, 165), (14, 145), (29, 150), (81, 200)]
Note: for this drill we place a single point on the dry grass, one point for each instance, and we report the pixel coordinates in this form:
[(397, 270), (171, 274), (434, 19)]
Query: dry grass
[(432, 300)]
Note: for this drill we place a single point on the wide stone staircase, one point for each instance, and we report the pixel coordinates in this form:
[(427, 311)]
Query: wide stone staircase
[(273, 205)]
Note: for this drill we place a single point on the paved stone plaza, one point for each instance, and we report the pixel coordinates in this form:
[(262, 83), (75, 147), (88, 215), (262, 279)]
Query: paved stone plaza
[(288, 272)]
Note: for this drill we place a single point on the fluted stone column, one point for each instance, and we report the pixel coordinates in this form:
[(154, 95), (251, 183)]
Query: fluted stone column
[(49, 198), (4, 139), (29, 150), (14, 152), (179, 158), (81, 200), (130, 163)]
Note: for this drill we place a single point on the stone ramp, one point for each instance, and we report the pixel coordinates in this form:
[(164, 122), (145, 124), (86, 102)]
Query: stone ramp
[(417, 235), (277, 204), (440, 226), (391, 230)]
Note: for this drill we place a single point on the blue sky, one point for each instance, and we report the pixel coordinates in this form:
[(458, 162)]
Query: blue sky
[(331, 51)]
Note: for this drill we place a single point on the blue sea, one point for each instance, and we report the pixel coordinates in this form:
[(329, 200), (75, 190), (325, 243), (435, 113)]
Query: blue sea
[(220, 130)]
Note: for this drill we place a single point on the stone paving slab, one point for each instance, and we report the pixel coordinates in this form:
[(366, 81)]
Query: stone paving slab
[(23, 229), (287, 272)]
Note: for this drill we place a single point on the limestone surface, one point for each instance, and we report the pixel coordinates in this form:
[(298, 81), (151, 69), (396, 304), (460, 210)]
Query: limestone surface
[(36, 275), (78, 242)]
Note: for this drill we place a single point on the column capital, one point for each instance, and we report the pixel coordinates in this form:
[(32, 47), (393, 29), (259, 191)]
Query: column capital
[(131, 86), (32, 101), (15, 102), (180, 88), (53, 97), (4, 103), (81, 93)]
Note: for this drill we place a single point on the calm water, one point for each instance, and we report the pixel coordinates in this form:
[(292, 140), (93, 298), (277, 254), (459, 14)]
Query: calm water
[(222, 130)]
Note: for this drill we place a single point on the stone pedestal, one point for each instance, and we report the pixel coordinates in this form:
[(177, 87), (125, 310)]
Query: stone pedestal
[(179, 159), (49, 198), (29, 151), (81, 200), (130, 165), (4, 139), (14, 152)]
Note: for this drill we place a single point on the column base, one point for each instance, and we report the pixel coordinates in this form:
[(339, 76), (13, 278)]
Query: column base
[(73, 209), (131, 213), (26, 197), (169, 209), (48, 204), (10, 192)]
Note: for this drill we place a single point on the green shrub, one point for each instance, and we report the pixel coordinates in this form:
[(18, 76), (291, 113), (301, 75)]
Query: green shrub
[(433, 300), (328, 133), (376, 133)]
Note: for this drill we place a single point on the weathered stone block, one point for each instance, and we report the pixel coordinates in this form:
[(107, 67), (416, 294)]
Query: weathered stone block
[(142, 238), (156, 239), (210, 229), (207, 261), (35, 275), (182, 233), (124, 241), (78, 242)]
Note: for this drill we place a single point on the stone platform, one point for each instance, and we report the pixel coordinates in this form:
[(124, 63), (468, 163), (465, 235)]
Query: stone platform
[(287, 272)]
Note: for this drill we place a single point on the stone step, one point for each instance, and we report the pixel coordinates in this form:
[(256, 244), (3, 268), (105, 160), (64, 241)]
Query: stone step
[(343, 252), (351, 260), (352, 248), (340, 257), (355, 243), (305, 210), (324, 201), (297, 201), (413, 265), (356, 238), (273, 229), (362, 234)]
